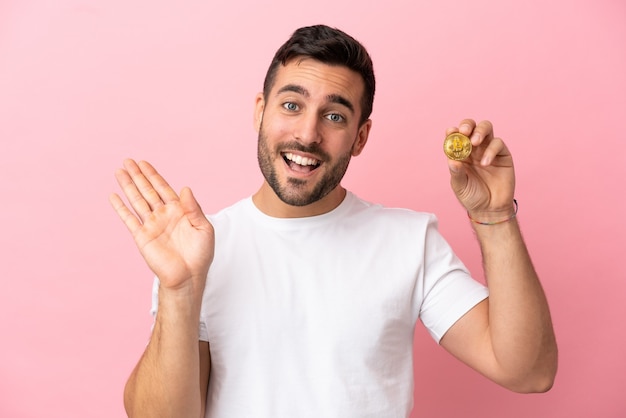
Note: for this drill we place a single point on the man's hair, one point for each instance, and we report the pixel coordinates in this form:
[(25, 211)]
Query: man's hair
[(330, 46)]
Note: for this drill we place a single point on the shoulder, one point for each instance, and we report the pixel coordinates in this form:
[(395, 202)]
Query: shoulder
[(236, 211), (403, 217)]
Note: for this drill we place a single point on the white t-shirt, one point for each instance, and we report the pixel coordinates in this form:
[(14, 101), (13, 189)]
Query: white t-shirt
[(314, 317)]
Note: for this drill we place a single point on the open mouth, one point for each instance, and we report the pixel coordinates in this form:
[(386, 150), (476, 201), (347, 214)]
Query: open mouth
[(299, 163)]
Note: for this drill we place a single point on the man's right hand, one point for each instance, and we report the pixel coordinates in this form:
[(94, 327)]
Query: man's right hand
[(171, 231)]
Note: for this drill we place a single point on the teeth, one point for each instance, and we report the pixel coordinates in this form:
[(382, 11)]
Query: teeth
[(300, 160)]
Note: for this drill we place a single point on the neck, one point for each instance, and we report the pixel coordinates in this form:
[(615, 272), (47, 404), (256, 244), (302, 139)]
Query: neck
[(270, 204)]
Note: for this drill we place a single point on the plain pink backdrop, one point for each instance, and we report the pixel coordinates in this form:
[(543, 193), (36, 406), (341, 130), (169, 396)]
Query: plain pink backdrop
[(84, 84)]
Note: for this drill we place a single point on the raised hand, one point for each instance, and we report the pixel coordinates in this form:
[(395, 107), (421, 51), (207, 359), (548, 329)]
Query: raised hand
[(484, 183), (171, 232)]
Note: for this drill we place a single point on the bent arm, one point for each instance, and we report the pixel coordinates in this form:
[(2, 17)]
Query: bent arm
[(508, 337), (172, 376), (177, 242)]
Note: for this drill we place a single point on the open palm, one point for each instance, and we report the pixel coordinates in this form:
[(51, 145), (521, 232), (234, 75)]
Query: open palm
[(171, 232)]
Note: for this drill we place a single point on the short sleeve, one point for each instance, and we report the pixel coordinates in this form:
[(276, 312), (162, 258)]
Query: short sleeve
[(449, 290)]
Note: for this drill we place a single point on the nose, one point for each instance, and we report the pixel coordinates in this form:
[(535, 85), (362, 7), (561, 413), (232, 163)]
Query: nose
[(307, 129)]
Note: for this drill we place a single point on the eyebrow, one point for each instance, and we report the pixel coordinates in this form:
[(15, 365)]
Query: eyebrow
[(333, 98)]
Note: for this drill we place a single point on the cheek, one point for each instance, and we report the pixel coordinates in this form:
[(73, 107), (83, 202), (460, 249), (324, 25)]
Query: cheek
[(277, 128), (340, 148)]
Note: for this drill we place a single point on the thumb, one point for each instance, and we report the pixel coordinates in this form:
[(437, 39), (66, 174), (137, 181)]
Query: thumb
[(458, 176), (192, 209)]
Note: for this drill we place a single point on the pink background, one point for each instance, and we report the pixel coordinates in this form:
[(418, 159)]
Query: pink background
[(84, 84)]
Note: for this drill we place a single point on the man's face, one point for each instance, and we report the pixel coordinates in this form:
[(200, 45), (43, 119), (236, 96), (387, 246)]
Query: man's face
[(309, 130)]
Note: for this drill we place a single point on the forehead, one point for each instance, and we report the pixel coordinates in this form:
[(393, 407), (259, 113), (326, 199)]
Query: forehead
[(320, 79)]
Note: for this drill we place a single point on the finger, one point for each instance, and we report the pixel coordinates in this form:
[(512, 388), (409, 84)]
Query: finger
[(494, 149), (465, 127), (163, 189), (133, 195), (132, 223), (482, 132), (140, 173), (192, 209)]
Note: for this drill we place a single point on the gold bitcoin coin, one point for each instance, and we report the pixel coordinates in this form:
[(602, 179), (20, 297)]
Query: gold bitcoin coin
[(457, 146)]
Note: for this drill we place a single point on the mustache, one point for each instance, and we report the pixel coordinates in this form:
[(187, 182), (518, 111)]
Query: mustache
[(313, 149)]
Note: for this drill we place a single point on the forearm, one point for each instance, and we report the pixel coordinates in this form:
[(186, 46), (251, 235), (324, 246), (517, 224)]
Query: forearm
[(165, 382), (520, 327)]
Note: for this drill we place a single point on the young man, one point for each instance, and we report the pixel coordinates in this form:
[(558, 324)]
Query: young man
[(301, 300)]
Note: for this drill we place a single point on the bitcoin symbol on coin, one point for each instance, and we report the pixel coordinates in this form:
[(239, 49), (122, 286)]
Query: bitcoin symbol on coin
[(457, 146)]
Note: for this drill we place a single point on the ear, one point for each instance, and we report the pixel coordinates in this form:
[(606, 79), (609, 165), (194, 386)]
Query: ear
[(361, 138), (259, 107)]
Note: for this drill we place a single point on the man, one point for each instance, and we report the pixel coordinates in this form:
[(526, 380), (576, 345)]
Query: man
[(301, 300)]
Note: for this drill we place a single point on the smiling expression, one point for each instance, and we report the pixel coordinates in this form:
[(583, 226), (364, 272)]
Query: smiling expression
[(308, 131)]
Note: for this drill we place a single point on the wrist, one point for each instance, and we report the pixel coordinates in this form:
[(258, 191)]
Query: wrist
[(181, 298), (489, 218)]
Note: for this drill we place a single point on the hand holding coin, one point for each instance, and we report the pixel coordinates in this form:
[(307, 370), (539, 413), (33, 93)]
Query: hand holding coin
[(457, 146), (481, 169)]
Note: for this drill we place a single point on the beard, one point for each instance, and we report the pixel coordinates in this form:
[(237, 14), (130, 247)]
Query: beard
[(295, 191)]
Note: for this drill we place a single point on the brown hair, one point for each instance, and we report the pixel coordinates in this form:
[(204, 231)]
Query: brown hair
[(329, 46)]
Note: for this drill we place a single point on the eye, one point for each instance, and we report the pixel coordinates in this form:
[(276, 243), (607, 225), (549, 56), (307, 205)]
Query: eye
[(335, 117), (291, 106)]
